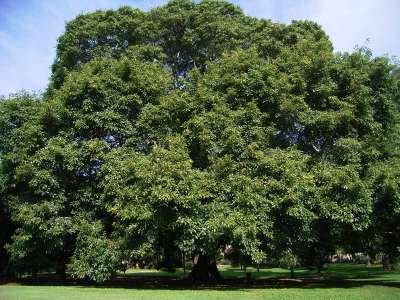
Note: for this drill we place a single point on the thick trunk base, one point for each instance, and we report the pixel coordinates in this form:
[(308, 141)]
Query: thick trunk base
[(205, 270), (61, 271)]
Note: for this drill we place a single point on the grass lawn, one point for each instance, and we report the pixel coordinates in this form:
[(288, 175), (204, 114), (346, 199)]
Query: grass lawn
[(343, 281)]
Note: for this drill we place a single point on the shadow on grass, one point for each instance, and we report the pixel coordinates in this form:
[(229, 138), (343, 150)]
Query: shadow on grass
[(339, 276)]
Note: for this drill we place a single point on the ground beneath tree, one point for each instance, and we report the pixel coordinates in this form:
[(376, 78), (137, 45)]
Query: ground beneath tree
[(338, 275)]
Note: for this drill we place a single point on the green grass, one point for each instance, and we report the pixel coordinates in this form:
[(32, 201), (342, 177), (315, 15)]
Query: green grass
[(10, 292), (343, 281)]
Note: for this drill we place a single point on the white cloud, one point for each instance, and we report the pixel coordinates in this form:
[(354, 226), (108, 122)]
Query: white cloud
[(28, 37), (347, 22), (352, 22)]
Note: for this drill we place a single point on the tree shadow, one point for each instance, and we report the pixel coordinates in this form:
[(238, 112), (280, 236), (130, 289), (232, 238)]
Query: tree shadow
[(168, 283)]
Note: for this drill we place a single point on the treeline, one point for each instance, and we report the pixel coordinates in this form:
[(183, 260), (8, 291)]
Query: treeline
[(191, 128)]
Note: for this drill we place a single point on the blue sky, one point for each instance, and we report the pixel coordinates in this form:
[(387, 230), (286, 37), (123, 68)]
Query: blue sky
[(29, 29)]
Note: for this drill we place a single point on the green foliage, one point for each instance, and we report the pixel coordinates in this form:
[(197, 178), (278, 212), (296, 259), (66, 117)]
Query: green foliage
[(288, 260), (96, 257), (193, 127), (385, 232)]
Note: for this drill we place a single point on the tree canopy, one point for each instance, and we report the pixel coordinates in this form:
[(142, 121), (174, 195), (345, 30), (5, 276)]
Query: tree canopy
[(191, 128)]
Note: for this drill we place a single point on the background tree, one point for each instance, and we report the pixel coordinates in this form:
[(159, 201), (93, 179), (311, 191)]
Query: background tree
[(20, 136)]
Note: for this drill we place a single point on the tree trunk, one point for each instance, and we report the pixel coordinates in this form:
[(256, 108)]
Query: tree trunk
[(319, 268), (205, 270), (389, 262), (62, 259), (369, 261), (61, 270), (34, 272), (291, 272), (184, 262)]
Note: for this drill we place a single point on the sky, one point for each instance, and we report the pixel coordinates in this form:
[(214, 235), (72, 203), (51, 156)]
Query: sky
[(29, 29)]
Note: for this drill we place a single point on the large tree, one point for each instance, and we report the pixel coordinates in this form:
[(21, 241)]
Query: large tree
[(193, 127)]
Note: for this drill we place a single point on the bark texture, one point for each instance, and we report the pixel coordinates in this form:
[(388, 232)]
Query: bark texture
[(205, 270)]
